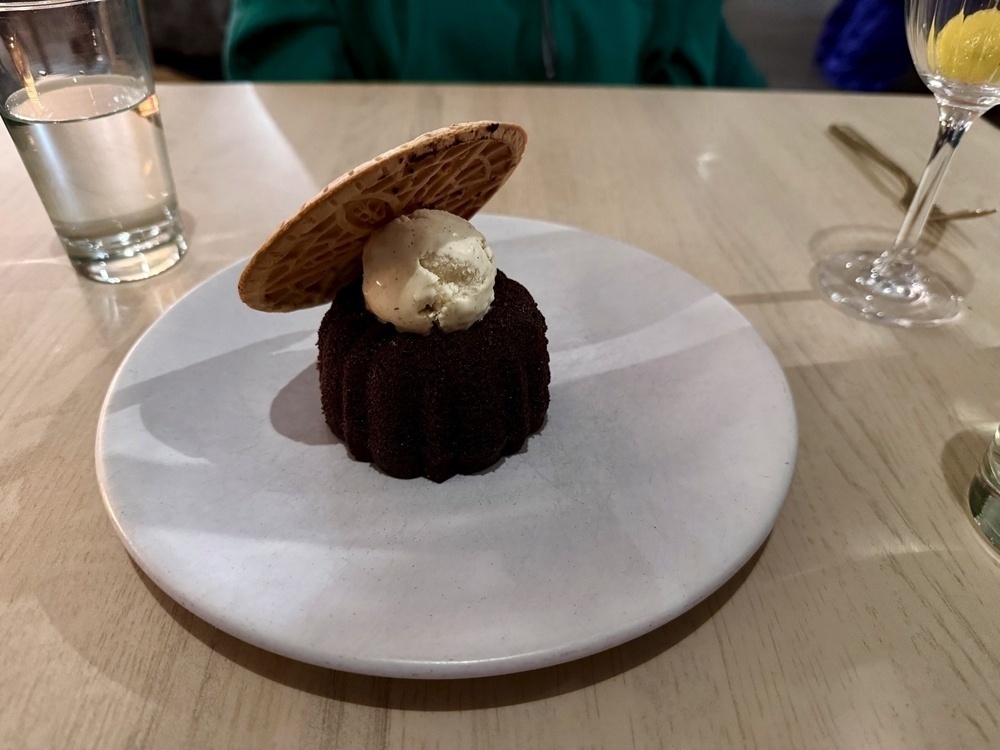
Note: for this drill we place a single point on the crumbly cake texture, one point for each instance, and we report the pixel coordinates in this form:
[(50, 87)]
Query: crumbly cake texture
[(440, 404), (317, 252)]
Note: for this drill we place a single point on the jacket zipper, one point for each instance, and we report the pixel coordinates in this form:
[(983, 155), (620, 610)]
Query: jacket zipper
[(548, 41)]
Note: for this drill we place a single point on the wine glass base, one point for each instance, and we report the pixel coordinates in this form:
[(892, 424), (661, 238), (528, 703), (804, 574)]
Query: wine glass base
[(925, 300)]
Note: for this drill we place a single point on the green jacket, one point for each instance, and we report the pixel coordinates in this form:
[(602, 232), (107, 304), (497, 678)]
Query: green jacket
[(680, 42)]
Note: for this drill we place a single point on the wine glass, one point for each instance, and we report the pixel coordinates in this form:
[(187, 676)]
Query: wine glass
[(955, 45)]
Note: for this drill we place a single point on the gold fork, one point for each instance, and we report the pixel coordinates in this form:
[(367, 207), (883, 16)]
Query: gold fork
[(863, 147)]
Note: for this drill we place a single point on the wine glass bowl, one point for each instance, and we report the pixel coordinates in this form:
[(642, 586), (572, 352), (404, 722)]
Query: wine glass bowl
[(955, 46)]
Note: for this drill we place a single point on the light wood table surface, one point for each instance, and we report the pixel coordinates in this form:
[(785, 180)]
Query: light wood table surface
[(871, 616)]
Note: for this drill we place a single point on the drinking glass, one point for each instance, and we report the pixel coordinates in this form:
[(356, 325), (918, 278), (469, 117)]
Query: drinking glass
[(955, 45), (984, 493), (77, 97)]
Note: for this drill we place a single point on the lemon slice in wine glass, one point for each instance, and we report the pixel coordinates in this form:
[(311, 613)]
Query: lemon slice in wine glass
[(967, 49)]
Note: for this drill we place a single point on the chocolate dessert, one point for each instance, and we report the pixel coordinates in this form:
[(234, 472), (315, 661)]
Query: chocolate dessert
[(432, 362), (439, 404)]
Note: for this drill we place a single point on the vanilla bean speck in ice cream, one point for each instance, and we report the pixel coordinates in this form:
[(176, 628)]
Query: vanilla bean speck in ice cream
[(428, 269)]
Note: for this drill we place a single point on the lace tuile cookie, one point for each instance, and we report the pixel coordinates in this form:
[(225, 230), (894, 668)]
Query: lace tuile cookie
[(317, 252)]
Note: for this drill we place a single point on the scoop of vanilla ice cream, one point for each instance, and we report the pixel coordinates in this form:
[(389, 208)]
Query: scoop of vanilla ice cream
[(428, 268)]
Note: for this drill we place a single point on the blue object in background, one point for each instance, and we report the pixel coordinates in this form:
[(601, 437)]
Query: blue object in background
[(863, 45)]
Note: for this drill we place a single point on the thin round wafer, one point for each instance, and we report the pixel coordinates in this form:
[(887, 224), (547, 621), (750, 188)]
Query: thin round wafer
[(317, 252)]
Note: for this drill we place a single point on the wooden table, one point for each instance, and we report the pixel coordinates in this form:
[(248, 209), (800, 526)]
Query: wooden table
[(870, 617)]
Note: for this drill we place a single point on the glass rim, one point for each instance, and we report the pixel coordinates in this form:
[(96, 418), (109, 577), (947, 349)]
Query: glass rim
[(8, 6)]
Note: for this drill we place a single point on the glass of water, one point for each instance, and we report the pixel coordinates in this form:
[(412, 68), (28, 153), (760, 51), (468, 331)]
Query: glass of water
[(77, 97), (984, 493)]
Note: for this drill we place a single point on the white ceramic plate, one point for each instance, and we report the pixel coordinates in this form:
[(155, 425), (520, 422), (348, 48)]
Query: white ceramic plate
[(667, 453)]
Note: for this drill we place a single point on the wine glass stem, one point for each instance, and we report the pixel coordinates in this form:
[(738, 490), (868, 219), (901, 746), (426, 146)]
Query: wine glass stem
[(952, 123)]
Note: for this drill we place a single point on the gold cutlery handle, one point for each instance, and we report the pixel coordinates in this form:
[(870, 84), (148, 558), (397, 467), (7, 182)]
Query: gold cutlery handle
[(863, 147)]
